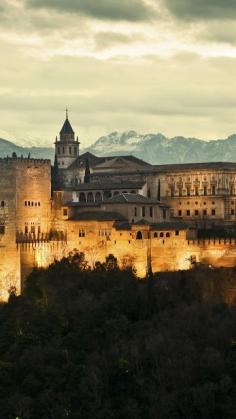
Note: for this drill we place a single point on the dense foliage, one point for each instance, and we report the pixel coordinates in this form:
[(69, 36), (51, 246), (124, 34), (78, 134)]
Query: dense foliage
[(105, 345)]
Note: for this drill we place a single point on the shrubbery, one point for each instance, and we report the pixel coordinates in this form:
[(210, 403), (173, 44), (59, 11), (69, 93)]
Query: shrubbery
[(103, 344)]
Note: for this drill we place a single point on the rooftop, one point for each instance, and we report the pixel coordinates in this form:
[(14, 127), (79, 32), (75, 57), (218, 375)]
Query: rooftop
[(98, 216)]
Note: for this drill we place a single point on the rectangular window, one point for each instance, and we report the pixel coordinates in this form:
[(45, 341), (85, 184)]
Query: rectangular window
[(25, 203), (188, 190), (143, 212), (164, 214), (180, 213), (69, 150), (135, 211), (172, 191), (213, 190), (188, 213), (213, 212), (196, 212), (75, 151), (26, 230), (65, 212), (2, 229), (177, 233), (205, 190), (232, 212), (196, 191), (151, 211), (204, 212)]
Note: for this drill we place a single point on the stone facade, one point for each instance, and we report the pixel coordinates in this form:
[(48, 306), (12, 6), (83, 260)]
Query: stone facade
[(167, 217)]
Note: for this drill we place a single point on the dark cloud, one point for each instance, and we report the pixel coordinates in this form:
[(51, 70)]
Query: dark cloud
[(132, 10), (202, 9)]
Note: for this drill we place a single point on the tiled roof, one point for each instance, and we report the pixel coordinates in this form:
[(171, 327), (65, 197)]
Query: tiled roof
[(98, 216), (131, 198), (67, 128), (97, 186)]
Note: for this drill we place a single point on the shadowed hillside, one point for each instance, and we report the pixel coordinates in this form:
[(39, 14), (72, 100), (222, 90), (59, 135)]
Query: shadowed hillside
[(102, 344)]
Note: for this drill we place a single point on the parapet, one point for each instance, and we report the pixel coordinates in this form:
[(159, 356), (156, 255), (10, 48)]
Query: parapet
[(15, 161)]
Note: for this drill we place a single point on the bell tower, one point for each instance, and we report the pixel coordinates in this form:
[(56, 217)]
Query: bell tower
[(67, 147)]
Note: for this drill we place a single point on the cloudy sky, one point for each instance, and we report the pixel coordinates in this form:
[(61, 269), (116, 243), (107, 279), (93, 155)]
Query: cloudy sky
[(164, 66)]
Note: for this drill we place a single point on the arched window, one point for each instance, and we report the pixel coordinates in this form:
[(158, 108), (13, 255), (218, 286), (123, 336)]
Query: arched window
[(155, 235), (139, 235), (82, 197), (98, 197), (2, 204), (161, 234), (167, 234), (90, 197)]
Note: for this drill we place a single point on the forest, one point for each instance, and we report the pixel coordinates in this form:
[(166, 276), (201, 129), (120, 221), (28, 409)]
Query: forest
[(103, 344)]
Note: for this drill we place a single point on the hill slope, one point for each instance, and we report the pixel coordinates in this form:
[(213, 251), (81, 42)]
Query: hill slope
[(154, 148), (158, 149), (7, 148)]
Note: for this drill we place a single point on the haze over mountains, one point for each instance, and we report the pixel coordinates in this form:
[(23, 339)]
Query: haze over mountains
[(154, 148)]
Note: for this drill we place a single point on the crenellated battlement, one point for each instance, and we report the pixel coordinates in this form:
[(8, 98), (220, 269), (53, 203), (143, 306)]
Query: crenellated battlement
[(24, 161)]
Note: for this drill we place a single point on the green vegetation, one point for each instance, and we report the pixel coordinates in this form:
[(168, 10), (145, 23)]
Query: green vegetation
[(103, 345)]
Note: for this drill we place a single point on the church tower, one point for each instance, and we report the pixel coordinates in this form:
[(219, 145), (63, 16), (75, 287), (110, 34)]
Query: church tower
[(67, 148)]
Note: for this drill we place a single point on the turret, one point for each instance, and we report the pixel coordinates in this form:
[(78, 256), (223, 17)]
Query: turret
[(67, 148)]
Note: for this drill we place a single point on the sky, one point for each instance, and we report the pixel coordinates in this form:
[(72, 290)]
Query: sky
[(152, 66)]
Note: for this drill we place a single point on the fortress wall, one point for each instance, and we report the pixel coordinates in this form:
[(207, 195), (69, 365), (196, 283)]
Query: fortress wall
[(9, 254), (33, 195)]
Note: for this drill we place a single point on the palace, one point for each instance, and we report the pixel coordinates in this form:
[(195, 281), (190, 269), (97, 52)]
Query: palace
[(153, 217)]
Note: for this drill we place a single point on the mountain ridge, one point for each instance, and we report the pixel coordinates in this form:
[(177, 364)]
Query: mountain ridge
[(153, 148)]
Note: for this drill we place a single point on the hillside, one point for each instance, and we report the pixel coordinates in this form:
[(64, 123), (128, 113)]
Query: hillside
[(158, 149), (154, 148), (8, 147)]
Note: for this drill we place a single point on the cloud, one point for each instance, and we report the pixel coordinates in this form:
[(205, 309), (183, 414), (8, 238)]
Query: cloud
[(132, 10), (202, 9), (105, 40)]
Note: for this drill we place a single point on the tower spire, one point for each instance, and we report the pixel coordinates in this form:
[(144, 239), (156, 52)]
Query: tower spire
[(66, 113)]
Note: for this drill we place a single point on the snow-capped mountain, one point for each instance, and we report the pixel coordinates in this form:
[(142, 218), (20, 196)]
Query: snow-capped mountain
[(158, 149), (154, 148)]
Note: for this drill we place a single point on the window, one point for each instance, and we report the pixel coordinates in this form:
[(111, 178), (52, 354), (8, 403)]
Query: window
[(155, 235), (205, 190), (167, 234), (177, 233), (196, 212), (32, 229), (65, 212), (161, 234), (32, 204), (180, 191), (172, 191), (204, 212), (232, 211), (213, 212), (2, 229), (143, 212), (180, 213), (59, 150), (139, 235), (135, 211), (213, 190), (2, 204), (38, 204), (63, 150), (75, 151), (25, 203), (26, 229), (188, 213), (164, 214), (196, 191), (69, 150), (82, 233), (151, 212), (188, 190)]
